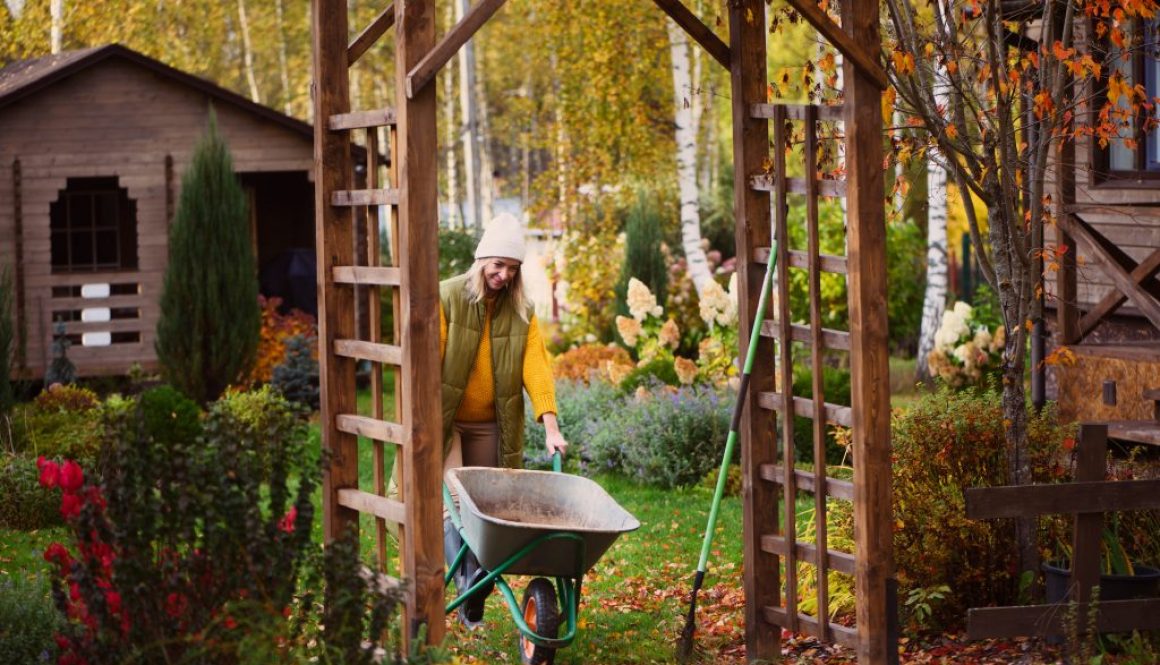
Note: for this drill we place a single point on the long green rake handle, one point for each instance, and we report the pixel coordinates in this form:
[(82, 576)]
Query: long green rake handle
[(731, 440)]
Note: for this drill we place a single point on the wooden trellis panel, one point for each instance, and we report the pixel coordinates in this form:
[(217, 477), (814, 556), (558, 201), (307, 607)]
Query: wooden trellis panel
[(772, 483), (405, 186)]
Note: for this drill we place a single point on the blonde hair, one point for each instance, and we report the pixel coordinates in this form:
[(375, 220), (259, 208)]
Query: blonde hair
[(477, 288)]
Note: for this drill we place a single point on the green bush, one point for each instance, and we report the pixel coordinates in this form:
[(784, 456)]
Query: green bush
[(199, 551), (456, 252), (582, 409), (27, 621), (24, 504), (836, 389), (57, 433), (643, 258), (668, 437), (944, 443), (657, 370), (170, 416), (261, 419)]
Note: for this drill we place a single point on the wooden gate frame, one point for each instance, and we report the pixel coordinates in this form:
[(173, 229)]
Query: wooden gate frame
[(411, 193)]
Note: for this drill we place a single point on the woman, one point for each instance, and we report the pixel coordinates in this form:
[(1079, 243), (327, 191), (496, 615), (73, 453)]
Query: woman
[(492, 352)]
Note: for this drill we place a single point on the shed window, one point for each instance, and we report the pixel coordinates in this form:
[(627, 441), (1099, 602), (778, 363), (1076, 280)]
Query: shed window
[(94, 227), (1135, 152)]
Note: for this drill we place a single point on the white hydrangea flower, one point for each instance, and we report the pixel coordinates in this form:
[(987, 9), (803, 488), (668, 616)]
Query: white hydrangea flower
[(641, 301)]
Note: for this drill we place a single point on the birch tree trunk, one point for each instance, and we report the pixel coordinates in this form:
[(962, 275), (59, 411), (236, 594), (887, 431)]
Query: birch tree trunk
[(486, 166), (935, 296), (283, 68), (686, 136), (56, 9), (454, 216), (247, 52), (470, 129)]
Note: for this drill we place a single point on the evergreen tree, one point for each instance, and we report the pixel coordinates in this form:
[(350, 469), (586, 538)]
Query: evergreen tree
[(297, 377), (207, 335), (643, 258)]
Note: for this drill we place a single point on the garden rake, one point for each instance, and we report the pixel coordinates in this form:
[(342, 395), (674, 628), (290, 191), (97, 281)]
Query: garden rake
[(685, 646)]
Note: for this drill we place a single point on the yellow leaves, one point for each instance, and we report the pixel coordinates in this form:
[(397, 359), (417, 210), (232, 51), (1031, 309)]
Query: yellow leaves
[(903, 62), (828, 63), (1117, 88)]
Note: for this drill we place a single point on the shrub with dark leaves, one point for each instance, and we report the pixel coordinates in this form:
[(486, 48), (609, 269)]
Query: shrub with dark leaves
[(297, 377), (191, 550)]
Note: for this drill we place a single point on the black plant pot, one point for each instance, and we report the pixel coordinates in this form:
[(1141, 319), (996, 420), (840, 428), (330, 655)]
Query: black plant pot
[(1144, 584)]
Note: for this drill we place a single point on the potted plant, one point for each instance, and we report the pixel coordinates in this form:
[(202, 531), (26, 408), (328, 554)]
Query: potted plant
[(1120, 577)]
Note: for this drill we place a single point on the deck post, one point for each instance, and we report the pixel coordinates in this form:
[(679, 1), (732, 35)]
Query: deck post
[(869, 372), (748, 75)]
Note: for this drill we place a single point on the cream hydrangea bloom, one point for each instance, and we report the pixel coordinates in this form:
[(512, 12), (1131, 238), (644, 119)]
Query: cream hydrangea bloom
[(641, 302), (629, 329), (686, 370), (716, 306), (670, 334)]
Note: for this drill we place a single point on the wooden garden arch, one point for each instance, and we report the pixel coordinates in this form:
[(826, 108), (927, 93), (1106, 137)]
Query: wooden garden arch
[(407, 185)]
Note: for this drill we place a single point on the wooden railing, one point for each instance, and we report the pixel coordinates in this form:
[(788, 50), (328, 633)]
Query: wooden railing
[(106, 316)]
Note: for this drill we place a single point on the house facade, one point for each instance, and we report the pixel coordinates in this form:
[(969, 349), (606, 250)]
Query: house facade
[(93, 145)]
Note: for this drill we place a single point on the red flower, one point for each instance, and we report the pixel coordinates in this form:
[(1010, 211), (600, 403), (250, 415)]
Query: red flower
[(70, 506), (57, 554), (113, 601), (49, 472), (230, 622), (287, 522), (176, 604), (71, 476)]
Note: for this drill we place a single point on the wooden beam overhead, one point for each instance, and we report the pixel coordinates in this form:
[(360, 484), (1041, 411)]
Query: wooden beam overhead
[(696, 29), (423, 72), (370, 34), (856, 53)]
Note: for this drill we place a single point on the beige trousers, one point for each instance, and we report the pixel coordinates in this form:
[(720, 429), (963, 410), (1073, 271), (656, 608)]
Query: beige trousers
[(473, 444)]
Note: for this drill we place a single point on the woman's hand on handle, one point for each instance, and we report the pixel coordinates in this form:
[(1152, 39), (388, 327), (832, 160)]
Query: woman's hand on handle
[(553, 439)]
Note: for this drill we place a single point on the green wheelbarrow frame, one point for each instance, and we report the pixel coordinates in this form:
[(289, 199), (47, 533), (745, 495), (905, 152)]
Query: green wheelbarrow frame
[(567, 588)]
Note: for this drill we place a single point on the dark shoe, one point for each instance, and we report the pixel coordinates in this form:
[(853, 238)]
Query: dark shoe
[(471, 611)]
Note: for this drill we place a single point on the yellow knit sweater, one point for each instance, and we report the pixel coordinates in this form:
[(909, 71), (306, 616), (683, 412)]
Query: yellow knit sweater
[(478, 405)]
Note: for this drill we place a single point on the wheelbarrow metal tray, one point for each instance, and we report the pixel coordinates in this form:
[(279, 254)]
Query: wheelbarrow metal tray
[(505, 509)]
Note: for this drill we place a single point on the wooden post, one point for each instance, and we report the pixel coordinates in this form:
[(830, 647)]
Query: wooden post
[(750, 150), (334, 238), (1089, 466), (419, 260), (869, 372)]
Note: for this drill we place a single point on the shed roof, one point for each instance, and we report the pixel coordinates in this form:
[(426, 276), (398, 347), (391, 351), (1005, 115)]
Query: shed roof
[(24, 78)]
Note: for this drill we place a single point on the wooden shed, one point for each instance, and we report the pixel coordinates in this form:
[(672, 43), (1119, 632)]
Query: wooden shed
[(93, 144), (1105, 294)]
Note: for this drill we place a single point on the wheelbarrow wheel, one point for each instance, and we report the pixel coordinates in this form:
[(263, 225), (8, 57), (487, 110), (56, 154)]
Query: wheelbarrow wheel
[(543, 618)]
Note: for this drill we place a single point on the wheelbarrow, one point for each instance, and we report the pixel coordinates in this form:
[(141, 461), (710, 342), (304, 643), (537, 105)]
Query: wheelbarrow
[(538, 523)]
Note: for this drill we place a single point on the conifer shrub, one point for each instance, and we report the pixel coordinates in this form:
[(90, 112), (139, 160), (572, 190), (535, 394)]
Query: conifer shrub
[(943, 444), (207, 334), (643, 258), (297, 377)]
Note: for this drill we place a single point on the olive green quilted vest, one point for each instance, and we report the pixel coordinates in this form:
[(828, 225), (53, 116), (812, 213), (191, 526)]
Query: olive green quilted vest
[(509, 337)]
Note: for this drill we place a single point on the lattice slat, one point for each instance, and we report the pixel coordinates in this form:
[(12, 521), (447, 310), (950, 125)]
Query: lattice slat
[(798, 259), (387, 354), (843, 562), (362, 120), (379, 430), (844, 635), (368, 275), (806, 481), (365, 197), (836, 414), (831, 339), (829, 188), (379, 506)]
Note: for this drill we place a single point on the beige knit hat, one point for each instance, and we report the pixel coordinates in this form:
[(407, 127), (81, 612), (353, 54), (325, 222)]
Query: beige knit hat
[(503, 237)]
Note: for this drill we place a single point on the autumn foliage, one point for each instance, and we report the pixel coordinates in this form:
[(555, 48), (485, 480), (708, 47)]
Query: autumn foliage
[(276, 329)]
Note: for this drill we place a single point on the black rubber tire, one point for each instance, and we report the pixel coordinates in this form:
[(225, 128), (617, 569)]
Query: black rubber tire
[(541, 612)]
